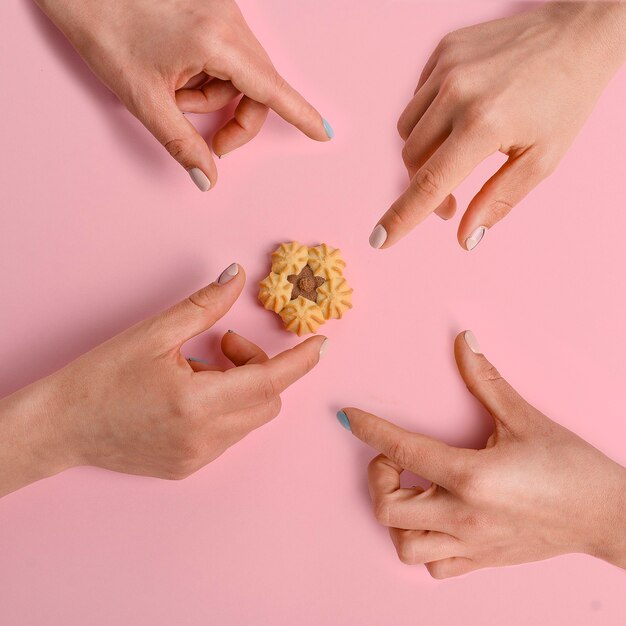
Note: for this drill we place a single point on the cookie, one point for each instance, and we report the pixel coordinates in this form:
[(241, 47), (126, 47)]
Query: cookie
[(275, 291), (290, 258), (306, 286), (326, 261), (335, 298), (301, 316)]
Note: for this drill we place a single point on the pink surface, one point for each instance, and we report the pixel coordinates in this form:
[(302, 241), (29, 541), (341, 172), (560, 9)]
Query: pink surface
[(99, 228)]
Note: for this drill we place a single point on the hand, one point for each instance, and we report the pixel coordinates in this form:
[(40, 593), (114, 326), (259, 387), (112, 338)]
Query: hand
[(135, 405), (535, 491), (522, 85), (161, 58)]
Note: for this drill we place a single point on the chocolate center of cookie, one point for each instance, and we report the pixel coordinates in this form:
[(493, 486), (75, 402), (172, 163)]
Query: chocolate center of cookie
[(305, 284)]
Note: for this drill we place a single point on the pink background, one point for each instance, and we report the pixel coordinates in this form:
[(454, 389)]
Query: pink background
[(99, 228)]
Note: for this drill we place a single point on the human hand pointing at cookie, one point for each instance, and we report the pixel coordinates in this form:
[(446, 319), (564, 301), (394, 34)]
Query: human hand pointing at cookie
[(134, 404), (535, 491), (162, 58), (524, 86)]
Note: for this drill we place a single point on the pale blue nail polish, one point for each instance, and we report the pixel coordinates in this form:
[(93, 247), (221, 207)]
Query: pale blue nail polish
[(191, 358), (343, 420), (329, 129)]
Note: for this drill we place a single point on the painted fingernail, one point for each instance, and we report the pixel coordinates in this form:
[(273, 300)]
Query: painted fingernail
[(476, 237), (343, 420), (228, 274), (378, 236), (323, 348), (221, 156), (193, 358), (328, 128), (199, 178), (472, 342), (230, 331)]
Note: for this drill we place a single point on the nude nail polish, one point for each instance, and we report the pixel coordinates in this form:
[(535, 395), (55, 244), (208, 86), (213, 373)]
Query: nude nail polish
[(199, 178), (476, 237), (378, 236), (472, 342), (228, 274), (323, 348)]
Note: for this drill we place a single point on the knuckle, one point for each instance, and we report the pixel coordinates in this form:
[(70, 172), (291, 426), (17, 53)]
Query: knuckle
[(427, 182), (454, 86), (216, 28), (482, 116), (177, 149), (398, 219), (403, 129), (407, 153), (275, 407), (383, 511), (499, 209), (490, 373), (401, 453), (268, 389)]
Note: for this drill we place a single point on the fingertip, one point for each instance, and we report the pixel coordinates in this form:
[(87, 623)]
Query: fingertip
[(466, 347), (470, 241), (378, 237), (199, 178), (233, 272), (447, 208), (344, 420), (330, 133)]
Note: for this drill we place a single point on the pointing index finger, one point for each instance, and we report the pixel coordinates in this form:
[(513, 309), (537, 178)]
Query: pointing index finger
[(432, 183), (422, 455)]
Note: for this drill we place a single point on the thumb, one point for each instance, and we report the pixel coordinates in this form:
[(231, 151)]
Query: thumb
[(200, 310), (484, 382), (506, 188), (158, 112)]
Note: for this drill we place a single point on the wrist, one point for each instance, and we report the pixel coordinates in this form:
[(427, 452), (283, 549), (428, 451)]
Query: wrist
[(600, 26), (609, 540), (33, 443)]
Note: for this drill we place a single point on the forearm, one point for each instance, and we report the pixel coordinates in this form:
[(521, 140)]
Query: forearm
[(32, 443)]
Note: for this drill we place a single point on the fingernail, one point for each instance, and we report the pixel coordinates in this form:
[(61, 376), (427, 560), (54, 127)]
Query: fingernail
[(378, 236), (472, 342), (221, 156), (199, 178), (193, 358), (323, 348), (328, 128), (343, 420), (230, 331), (228, 274), (475, 238)]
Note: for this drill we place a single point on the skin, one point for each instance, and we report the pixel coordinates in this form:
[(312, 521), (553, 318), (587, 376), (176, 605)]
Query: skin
[(163, 58), (523, 86), (134, 404), (535, 491)]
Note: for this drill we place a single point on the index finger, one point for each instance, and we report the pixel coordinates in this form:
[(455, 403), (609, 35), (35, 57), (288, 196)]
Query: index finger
[(430, 458), (257, 383), (457, 156), (256, 77)]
